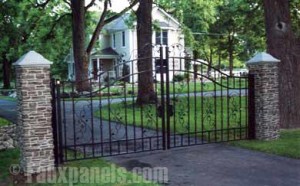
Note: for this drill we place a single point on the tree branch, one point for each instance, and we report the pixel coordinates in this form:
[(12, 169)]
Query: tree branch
[(90, 5), (104, 21), (23, 31), (98, 28), (67, 2), (112, 18), (205, 54), (55, 23)]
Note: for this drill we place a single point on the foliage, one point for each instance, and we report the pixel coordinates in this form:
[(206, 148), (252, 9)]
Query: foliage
[(295, 14), (28, 26), (195, 15), (213, 27), (8, 157), (4, 122), (178, 78), (109, 81), (247, 36), (131, 19)]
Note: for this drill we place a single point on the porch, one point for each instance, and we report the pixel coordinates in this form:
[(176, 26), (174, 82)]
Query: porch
[(103, 65)]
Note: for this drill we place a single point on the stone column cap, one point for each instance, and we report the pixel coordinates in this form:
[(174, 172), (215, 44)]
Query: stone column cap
[(32, 58), (262, 57)]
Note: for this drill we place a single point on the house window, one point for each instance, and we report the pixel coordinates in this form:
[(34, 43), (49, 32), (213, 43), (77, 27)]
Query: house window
[(123, 39), (114, 40), (161, 37)]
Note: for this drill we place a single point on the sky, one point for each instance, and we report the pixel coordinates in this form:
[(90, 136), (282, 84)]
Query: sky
[(117, 5)]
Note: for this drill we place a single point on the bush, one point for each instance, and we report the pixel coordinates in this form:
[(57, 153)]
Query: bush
[(109, 81), (178, 78), (74, 95), (4, 122), (186, 76), (125, 73), (64, 95)]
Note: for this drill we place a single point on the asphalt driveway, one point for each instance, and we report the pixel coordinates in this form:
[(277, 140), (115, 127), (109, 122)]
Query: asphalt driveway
[(8, 110), (217, 165)]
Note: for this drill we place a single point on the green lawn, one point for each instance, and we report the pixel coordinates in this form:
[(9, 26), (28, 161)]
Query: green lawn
[(4, 122), (175, 88), (7, 98), (108, 171), (191, 115), (184, 87), (287, 145), (7, 158)]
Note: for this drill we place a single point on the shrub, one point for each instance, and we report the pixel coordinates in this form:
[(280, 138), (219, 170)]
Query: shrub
[(4, 122), (186, 76), (109, 81), (178, 78), (125, 73), (74, 95)]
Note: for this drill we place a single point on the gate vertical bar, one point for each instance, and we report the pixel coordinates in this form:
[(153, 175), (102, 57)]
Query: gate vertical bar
[(251, 107), (54, 123), (58, 123), (92, 117), (162, 98), (168, 99)]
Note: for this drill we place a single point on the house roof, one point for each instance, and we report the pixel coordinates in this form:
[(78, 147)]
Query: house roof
[(106, 52), (163, 24), (168, 15), (120, 23)]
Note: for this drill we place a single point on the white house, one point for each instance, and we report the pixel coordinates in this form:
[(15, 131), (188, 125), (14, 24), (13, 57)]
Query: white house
[(118, 44)]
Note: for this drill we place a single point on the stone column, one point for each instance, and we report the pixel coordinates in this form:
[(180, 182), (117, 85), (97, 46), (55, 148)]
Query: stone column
[(264, 67), (34, 113)]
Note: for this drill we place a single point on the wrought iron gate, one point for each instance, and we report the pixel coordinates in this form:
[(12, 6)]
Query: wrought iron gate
[(195, 104)]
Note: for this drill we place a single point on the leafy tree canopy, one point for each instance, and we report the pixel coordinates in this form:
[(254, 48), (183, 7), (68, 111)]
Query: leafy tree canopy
[(39, 26)]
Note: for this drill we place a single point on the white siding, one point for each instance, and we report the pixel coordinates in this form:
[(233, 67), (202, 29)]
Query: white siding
[(158, 15), (119, 48), (105, 41), (130, 50)]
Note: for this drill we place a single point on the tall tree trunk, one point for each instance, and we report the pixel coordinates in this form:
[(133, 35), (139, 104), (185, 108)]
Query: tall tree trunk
[(146, 92), (80, 56), (6, 69), (283, 44)]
